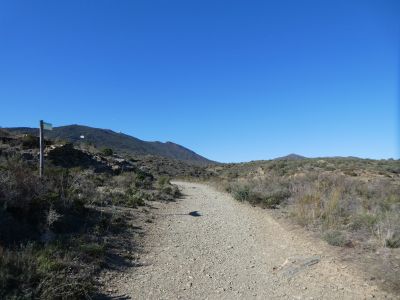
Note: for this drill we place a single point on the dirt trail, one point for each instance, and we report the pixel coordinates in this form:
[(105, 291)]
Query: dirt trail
[(234, 251)]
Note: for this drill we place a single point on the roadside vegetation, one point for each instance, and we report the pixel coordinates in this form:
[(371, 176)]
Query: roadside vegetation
[(58, 232), (348, 202)]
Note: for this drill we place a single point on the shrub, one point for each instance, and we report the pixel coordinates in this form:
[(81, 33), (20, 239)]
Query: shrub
[(171, 190), (332, 211), (136, 200), (30, 207), (335, 238), (33, 272), (307, 208), (107, 151), (393, 242), (30, 142), (388, 229), (275, 199), (363, 221), (142, 180), (163, 180), (57, 226), (94, 250), (241, 193), (18, 274)]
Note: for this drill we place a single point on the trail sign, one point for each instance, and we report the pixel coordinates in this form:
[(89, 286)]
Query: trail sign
[(42, 126), (47, 126)]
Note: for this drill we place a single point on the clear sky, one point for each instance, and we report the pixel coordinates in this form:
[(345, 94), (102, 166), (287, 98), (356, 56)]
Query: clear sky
[(231, 80)]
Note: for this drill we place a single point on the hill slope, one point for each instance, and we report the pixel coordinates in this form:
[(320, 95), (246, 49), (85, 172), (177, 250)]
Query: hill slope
[(291, 156), (118, 142)]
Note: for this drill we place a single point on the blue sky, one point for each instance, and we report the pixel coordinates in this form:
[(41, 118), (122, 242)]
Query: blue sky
[(232, 80)]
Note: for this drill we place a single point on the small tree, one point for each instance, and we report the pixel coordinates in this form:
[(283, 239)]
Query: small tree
[(107, 152)]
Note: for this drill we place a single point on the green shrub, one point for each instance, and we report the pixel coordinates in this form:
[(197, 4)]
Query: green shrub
[(34, 272), (241, 193), (393, 242), (170, 190), (136, 200), (275, 199), (335, 238), (363, 221), (107, 151), (163, 180), (93, 250), (142, 180), (30, 142), (46, 263), (18, 274)]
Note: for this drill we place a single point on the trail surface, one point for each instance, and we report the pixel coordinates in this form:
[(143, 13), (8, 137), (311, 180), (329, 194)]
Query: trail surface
[(229, 250)]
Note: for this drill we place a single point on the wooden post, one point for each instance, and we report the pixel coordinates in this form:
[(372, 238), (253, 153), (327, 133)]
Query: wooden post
[(41, 141)]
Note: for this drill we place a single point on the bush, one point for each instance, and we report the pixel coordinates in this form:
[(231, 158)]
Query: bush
[(241, 193), (34, 272), (387, 229), (107, 151), (275, 199), (136, 200), (33, 211), (307, 208), (30, 142), (335, 238), (393, 242), (94, 250), (363, 221), (170, 189), (163, 180), (59, 231)]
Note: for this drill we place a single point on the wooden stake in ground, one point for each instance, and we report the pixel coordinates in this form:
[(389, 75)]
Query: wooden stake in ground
[(41, 143), (42, 126)]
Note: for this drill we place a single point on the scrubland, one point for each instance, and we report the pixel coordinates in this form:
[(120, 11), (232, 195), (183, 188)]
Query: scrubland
[(58, 232), (350, 203)]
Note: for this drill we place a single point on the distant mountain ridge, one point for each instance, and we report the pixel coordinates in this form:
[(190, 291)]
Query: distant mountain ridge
[(292, 156), (120, 142)]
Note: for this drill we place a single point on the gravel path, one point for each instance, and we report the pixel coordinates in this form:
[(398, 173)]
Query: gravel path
[(231, 250)]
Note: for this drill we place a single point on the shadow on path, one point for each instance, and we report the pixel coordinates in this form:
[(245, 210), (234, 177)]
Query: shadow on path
[(194, 213), (106, 297)]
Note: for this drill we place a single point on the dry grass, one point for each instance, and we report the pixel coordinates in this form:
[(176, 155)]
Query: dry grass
[(355, 196), (348, 202)]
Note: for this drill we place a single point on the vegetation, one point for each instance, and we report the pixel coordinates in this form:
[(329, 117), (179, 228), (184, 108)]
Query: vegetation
[(57, 232), (348, 202), (333, 196), (30, 141), (107, 151)]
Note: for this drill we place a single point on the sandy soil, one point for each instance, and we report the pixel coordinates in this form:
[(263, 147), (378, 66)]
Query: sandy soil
[(229, 250)]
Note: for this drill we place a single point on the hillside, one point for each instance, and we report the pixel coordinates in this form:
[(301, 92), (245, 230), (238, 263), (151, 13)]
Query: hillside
[(291, 156), (119, 142)]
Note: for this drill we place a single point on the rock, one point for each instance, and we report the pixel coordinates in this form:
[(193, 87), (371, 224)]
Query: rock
[(294, 265)]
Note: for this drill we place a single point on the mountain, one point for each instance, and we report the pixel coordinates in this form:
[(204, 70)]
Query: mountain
[(119, 142), (291, 156)]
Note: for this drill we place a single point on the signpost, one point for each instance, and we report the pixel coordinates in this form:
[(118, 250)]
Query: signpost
[(42, 126)]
